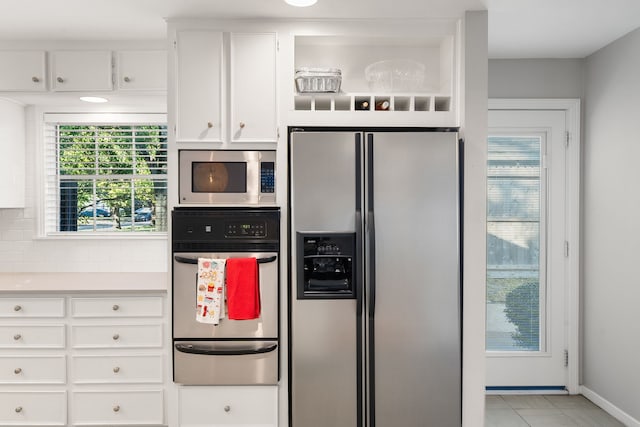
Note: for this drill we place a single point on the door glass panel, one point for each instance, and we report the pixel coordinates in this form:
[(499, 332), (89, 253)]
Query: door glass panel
[(514, 230)]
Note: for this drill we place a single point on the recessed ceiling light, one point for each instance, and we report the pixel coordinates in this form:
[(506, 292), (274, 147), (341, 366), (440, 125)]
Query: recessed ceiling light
[(301, 3), (94, 99)]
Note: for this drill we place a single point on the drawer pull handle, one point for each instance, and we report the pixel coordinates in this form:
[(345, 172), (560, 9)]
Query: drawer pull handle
[(17, 308), (17, 371), (115, 307), (242, 125), (16, 337), (18, 409), (209, 125), (116, 337), (127, 79), (116, 369), (116, 408), (35, 79), (227, 408), (60, 80)]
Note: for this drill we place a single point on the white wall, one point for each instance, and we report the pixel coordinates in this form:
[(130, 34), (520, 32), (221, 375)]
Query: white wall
[(22, 251), (536, 78), (611, 225)]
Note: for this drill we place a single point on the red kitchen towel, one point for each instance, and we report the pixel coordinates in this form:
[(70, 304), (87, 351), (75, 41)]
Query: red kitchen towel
[(243, 289)]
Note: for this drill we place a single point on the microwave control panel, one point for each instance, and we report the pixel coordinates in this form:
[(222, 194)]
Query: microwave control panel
[(267, 177)]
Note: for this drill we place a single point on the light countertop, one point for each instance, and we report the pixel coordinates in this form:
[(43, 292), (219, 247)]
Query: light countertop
[(86, 281)]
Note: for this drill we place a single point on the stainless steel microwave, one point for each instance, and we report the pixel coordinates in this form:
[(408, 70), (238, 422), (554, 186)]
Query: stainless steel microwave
[(234, 177)]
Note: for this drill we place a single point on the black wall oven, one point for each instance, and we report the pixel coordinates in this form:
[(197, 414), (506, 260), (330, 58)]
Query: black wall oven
[(233, 352)]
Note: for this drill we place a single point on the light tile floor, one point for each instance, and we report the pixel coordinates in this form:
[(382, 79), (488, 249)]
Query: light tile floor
[(545, 411)]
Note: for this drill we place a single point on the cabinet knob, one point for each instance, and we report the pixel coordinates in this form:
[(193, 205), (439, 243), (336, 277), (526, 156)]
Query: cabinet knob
[(116, 337), (126, 79), (16, 337), (116, 408), (115, 307), (17, 371), (35, 79), (227, 408), (18, 409), (60, 80), (209, 125), (17, 308), (242, 125), (116, 369)]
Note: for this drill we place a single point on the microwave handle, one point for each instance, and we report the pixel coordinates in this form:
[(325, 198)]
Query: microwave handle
[(186, 260), (212, 351)]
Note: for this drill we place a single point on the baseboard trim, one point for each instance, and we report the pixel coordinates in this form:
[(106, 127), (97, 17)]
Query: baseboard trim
[(612, 409)]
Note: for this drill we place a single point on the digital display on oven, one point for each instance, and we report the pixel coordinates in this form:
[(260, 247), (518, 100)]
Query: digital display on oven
[(245, 229), (219, 177)]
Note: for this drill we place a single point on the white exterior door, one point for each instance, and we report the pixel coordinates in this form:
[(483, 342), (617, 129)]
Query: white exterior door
[(528, 212)]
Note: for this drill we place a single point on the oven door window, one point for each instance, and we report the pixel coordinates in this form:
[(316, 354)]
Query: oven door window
[(219, 177)]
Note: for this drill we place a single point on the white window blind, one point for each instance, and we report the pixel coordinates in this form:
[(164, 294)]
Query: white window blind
[(105, 174)]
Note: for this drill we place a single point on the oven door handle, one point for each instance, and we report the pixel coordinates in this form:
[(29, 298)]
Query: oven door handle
[(211, 351), (186, 260)]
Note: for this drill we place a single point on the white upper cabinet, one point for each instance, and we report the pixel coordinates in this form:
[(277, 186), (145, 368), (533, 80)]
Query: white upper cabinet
[(253, 87), (80, 70), (141, 70), (12, 155), (23, 71), (199, 86), (226, 87)]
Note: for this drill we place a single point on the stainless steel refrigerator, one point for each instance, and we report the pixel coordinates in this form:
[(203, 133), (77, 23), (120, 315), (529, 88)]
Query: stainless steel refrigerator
[(375, 294)]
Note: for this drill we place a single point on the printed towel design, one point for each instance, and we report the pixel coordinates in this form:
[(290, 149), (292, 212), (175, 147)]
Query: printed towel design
[(243, 289), (210, 290)]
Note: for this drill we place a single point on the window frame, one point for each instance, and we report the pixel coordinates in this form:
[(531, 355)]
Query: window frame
[(47, 118)]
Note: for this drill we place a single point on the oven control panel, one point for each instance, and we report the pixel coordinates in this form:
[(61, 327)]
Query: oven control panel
[(245, 229)]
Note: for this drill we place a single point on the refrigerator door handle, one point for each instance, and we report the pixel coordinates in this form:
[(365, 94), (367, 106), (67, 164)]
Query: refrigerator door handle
[(371, 229)]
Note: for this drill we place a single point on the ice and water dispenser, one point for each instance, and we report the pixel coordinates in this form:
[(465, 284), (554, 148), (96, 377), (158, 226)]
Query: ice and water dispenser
[(326, 266)]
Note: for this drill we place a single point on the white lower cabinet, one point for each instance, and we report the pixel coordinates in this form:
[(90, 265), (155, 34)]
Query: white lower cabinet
[(33, 369), (118, 407), (110, 372), (42, 408), (228, 406), (117, 369)]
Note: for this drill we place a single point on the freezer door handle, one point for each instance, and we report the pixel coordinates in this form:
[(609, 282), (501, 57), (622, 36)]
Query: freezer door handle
[(213, 351), (371, 228), (187, 260)]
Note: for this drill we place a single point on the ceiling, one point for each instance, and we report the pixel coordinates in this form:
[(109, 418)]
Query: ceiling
[(517, 28)]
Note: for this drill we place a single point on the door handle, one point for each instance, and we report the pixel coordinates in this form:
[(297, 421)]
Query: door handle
[(212, 351), (187, 260)]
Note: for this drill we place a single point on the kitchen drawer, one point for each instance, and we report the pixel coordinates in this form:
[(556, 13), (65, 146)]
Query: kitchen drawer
[(228, 406), (31, 307), (117, 369), (117, 307), (43, 408), (32, 336), (116, 336), (33, 370), (118, 407)]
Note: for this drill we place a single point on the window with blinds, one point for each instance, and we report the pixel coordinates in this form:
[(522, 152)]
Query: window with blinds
[(106, 177), (515, 243)]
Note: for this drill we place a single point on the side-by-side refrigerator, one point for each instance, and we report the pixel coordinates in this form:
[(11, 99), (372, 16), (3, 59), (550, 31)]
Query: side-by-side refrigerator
[(375, 284)]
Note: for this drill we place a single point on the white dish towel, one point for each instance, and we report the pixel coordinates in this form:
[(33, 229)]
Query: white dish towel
[(210, 290)]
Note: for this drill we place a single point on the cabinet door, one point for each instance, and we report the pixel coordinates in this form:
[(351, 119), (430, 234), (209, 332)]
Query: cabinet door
[(81, 70), (199, 83), (12, 155), (23, 71), (253, 87), (142, 70)]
